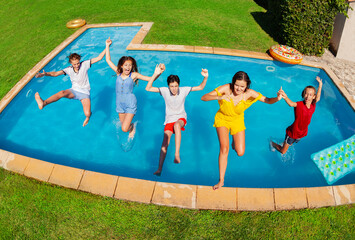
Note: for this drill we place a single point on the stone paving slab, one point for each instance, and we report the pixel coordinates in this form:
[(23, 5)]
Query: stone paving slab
[(66, 176), (222, 199), (199, 49), (256, 199), (16, 163), (38, 169), (134, 190), (344, 194), (98, 183), (320, 197), (175, 195), (290, 198), (3, 157)]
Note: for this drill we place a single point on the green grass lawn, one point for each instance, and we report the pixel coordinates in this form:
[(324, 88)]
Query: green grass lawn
[(30, 29), (35, 210)]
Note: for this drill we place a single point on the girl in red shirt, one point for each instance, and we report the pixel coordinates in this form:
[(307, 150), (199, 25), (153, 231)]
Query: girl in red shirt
[(303, 115)]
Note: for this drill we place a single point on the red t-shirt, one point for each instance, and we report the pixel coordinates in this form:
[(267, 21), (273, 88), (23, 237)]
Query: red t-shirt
[(303, 116)]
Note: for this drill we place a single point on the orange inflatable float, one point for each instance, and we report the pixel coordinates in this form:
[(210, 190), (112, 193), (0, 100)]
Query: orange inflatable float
[(76, 23), (286, 54)]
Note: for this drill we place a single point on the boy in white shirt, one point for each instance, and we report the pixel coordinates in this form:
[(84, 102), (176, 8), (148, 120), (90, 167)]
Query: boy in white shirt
[(80, 90), (175, 115)]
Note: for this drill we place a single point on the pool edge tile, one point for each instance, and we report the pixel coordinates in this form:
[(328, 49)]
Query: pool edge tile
[(175, 195), (3, 157), (344, 194), (16, 163), (38, 169), (241, 53), (98, 183), (202, 49), (133, 189), (224, 198), (320, 197), (64, 176), (256, 199), (290, 198)]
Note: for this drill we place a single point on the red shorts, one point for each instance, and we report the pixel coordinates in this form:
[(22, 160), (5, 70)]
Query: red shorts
[(170, 126)]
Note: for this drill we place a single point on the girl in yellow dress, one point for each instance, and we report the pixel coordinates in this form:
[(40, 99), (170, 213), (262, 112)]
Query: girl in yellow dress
[(233, 98)]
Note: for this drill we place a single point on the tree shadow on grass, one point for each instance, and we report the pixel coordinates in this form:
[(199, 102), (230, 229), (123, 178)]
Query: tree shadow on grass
[(262, 3), (267, 22)]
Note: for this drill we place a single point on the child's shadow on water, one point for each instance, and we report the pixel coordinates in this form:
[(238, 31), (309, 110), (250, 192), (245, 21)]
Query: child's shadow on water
[(103, 103)]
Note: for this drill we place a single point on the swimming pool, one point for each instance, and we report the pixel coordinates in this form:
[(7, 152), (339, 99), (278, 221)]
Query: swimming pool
[(24, 129)]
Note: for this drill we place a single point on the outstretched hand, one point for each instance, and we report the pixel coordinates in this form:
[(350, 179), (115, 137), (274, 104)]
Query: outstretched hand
[(108, 42), (281, 93), (159, 69), (38, 75), (319, 80), (204, 72)]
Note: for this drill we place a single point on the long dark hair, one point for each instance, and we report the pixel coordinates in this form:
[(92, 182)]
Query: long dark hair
[(123, 60), (240, 76)]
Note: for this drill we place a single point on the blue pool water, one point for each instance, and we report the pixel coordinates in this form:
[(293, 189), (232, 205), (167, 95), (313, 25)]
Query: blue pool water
[(55, 134)]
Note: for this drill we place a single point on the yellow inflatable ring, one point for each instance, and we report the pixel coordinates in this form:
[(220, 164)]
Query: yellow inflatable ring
[(76, 23), (286, 54)]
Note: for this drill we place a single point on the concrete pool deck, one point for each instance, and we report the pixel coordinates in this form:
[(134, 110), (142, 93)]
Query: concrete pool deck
[(170, 194)]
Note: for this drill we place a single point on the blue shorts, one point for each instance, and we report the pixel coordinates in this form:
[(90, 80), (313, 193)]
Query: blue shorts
[(79, 95), (126, 103), (290, 140)]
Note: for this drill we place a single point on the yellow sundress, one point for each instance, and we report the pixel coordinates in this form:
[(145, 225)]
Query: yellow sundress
[(232, 116)]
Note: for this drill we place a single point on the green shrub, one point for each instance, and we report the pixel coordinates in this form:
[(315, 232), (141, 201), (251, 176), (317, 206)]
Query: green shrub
[(306, 25)]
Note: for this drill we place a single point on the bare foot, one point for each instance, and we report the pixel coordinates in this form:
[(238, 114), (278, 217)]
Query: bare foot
[(86, 121), (39, 101), (157, 172), (218, 185), (132, 132), (177, 159)]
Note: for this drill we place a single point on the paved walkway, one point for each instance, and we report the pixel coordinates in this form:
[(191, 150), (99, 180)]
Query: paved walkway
[(343, 69)]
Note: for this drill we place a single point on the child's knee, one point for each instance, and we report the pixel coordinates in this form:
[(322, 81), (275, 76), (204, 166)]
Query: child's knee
[(87, 113), (224, 149), (177, 126), (125, 128), (240, 152)]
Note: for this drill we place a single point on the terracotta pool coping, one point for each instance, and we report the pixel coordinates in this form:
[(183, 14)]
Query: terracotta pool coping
[(171, 194)]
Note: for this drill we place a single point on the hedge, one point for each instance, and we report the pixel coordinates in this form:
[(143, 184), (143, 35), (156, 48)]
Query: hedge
[(306, 25)]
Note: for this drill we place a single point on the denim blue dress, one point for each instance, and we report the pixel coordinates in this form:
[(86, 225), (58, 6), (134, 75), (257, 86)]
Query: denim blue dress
[(126, 101)]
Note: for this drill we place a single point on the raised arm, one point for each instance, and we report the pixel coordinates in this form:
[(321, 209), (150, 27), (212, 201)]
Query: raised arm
[(288, 101), (108, 56), (319, 88), (159, 69), (51, 74), (204, 73), (98, 58)]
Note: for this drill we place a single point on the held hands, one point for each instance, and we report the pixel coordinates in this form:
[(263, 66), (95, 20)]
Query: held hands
[(204, 73), (38, 75), (281, 94), (108, 42)]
